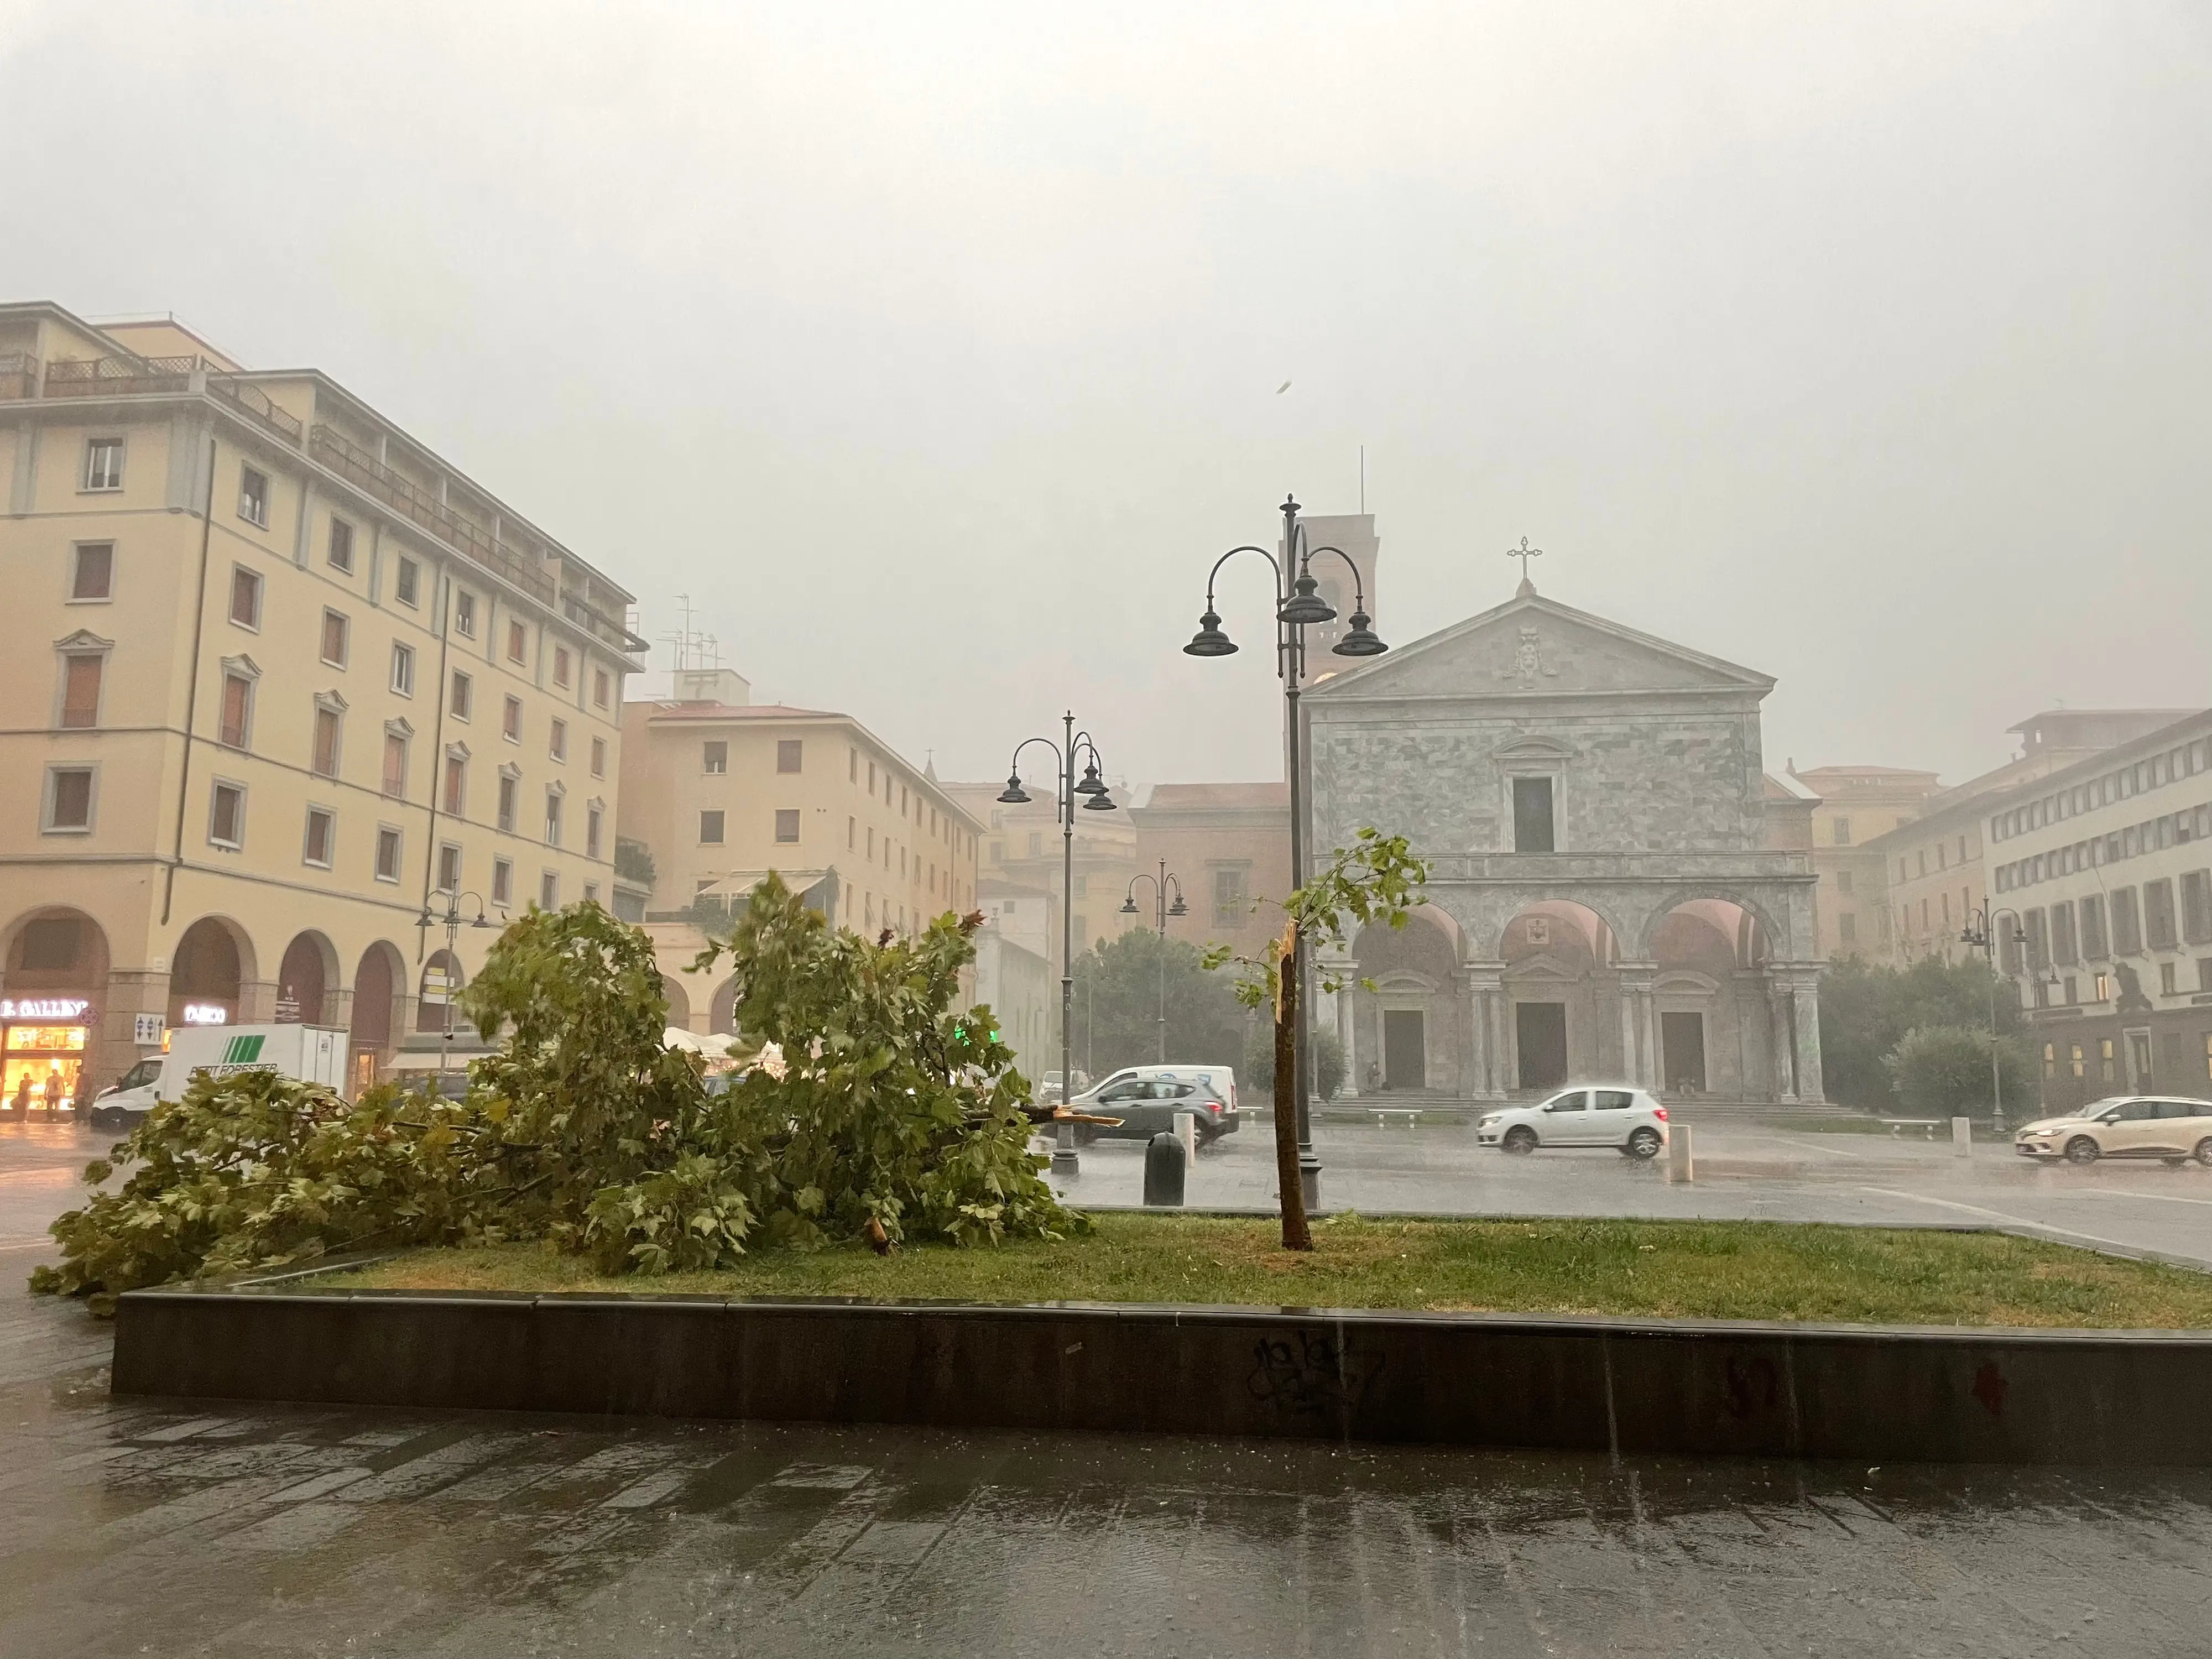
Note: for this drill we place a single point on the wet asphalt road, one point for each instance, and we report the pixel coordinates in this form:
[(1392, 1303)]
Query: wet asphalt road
[(130, 1527)]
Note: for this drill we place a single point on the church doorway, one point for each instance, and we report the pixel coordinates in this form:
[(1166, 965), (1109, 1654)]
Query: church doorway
[(1540, 1033), (1405, 1050), (1682, 1047)]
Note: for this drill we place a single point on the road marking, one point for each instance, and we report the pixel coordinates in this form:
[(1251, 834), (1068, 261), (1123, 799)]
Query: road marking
[(2044, 1228), (2163, 1198)]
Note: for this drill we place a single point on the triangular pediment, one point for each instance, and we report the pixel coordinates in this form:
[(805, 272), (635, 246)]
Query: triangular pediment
[(1531, 646)]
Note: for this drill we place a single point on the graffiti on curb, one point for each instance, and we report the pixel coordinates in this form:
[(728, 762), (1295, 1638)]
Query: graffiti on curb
[(1310, 1374)]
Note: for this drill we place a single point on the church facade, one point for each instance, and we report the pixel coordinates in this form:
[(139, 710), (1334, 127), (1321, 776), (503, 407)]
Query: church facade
[(1605, 900)]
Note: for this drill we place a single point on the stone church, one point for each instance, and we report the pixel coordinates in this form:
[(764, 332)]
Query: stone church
[(1608, 898)]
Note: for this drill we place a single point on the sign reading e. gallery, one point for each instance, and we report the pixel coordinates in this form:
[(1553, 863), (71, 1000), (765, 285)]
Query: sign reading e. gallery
[(67, 1011)]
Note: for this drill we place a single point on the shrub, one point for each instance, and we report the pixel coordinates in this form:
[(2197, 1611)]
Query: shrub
[(1943, 1071)]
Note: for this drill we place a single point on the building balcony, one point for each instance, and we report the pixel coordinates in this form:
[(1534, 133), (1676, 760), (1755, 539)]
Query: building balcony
[(139, 377)]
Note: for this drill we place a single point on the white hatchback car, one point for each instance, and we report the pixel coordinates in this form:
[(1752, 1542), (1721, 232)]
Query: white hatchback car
[(2123, 1125), (1629, 1120)]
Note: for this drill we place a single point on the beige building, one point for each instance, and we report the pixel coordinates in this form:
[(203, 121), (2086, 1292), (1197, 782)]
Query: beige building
[(1933, 872), (719, 790), (1854, 806), (1229, 846), (284, 678)]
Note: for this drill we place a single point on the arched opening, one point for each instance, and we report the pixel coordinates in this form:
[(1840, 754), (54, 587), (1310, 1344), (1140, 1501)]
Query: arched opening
[(209, 973), (1709, 1033), (377, 983), (441, 983), (1560, 958), (1404, 1030), (305, 981), (722, 1012), (679, 1004), (56, 976)]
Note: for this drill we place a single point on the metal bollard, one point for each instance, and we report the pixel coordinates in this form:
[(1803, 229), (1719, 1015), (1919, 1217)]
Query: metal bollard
[(1186, 1128), (1679, 1167), (1165, 1165), (1962, 1136)]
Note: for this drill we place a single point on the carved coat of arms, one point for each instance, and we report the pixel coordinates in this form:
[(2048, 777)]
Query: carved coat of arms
[(1528, 665)]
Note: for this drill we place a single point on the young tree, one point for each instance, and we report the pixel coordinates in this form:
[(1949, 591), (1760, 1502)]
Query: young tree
[(1376, 879), (1865, 1012), (1259, 1067)]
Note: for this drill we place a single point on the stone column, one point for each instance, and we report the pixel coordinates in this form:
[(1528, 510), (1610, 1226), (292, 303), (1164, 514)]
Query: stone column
[(256, 1001), (112, 1047), (1333, 1012), (1640, 1051), (1781, 1040), (1486, 992), (1805, 1003)]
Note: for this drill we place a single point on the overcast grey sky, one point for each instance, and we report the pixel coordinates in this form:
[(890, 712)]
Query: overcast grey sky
[(934, 349)]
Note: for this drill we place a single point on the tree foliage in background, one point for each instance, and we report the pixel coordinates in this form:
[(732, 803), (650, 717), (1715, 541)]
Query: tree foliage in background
[(869, 1108), (1118, 1001), (1943, 1071), (1258, 1070), (1865, 1010)]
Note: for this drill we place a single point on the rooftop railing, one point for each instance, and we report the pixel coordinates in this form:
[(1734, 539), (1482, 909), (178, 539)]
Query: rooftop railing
[(19, 374), (255, 401), (102, 377)]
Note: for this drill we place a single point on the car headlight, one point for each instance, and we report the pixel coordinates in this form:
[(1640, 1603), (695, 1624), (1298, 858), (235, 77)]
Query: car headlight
[(1487, 1122)]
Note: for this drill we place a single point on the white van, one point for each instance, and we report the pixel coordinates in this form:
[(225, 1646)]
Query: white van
[(312, 1053)]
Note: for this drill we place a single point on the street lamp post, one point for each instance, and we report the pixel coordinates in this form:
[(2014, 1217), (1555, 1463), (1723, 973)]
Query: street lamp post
[(1093, 787), (1161, 883), (1296, 607), (451, 922), (1980, 933)]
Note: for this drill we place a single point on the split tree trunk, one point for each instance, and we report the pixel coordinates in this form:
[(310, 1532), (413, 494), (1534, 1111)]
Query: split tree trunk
[(1296, 1235)]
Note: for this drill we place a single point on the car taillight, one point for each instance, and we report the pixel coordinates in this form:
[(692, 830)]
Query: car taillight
[(1214, 1107), (1659, 1112)]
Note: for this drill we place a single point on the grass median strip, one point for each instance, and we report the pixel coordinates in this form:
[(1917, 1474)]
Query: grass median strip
[(1668, 1269)]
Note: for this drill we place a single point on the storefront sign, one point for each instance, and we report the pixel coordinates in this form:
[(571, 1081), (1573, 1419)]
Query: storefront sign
[(69, 1010), (206, 1013)]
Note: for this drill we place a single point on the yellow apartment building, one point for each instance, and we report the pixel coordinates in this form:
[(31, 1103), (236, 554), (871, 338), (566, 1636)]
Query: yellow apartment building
[(285, 680), (718, 791), (1854, 805)]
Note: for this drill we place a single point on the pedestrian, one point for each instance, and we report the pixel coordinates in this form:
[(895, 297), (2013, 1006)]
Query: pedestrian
[(20, 1102)]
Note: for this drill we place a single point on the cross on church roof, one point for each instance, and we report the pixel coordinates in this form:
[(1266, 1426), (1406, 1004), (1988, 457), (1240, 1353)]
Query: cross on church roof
[(1524, 553)]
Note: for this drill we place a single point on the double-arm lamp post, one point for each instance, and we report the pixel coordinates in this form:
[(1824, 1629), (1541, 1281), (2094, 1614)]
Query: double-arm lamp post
[(451, 922), (1297, 607), (1095, 798), (1980, 933), (1162, 910)]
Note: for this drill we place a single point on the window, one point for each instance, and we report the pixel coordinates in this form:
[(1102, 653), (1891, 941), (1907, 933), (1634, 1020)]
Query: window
[(334, 639), (2076, 1065), (852, 765), (590, 892), (599, 688), (1844, 882), (457, 786), (1229, 902), (710, 829), (93, 575), (81, 676), (387, 853), (2095, 946), (2166, 984), (245, 597), (561, 666), (518, 642), (2104, 1058), (598, 757), (395, 764), (1923, 861), (1841, 831), (593, 819), (510, 720), (227, 814), (2050, 1059), (406, 585), (852, 833), (103, 463), (502, 882), (558, 747), (549, 891), (509, 786), (463, 695), (787, 824), (322, 831), (69, 800), (403, 668), (253, 496), (788, 752), (2159, 930), (449, 867), (715, 758), (464, 612), (2127, 931), (340, 550), (1083, 887), (552, 817), (325, 756), (1532, 814), (1847, 928), (237, 711), (2103, 984)]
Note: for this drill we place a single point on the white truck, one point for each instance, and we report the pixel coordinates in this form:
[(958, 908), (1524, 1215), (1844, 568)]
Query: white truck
[(312, 1053)]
